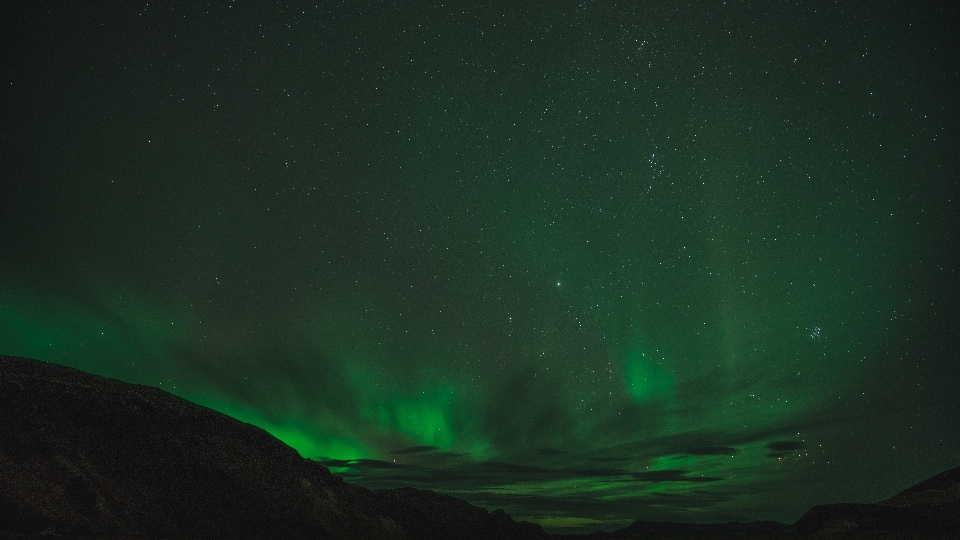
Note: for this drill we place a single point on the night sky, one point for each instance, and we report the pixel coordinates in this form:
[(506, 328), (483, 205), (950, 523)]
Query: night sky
[(588, 262)]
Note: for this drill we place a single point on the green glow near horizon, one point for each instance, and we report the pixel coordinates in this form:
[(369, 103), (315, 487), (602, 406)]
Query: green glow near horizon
[(426, 417), (117, 337), (307, 441)]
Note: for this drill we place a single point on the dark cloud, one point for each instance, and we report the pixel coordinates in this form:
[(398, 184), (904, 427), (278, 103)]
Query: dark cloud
[(470, 475), (712, 451), (786, 446), (673, 475), (512, 468), (599, 472), (363, 464), (434, 456), (666, 496), (333, 462), (415, 450)]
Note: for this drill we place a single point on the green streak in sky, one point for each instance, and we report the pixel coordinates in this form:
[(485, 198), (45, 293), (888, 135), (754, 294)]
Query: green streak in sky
[(299, 436), (646, 379), (114, 336), (136, 342), (426, 417), (402, 407)]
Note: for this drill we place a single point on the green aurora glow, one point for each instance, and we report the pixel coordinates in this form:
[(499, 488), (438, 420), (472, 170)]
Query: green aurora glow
[(587, 262)]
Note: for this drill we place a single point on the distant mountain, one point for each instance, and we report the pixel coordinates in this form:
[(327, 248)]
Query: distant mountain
[(928, 510), (932, 507), (87, 455), (662, 529), (937, 499)]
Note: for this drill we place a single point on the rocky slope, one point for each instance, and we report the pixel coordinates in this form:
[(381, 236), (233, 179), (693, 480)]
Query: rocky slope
[(937, 499), (88, 455), (930, 509)]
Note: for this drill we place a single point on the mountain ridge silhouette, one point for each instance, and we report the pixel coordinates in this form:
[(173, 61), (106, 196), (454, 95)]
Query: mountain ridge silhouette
[(90, 456)]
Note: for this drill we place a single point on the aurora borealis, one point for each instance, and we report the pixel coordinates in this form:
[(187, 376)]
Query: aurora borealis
[(588, 262)]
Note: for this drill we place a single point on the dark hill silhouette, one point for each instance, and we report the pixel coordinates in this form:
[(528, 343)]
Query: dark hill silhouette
[(937, 499), (87, 455), (930, 508)]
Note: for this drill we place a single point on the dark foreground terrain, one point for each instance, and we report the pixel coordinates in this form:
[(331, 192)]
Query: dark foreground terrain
[(928, 510), (83, 456), (88, 456)]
